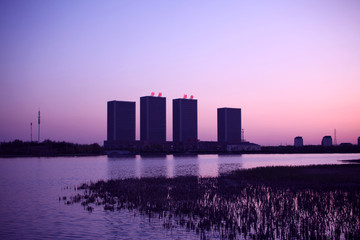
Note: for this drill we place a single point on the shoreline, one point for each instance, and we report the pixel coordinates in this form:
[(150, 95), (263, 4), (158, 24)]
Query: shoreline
[(50, 148), (165, 154)]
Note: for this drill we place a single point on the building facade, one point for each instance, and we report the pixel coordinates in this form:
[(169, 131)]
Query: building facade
[(326, 141), (185, 120), (120, 121), (229, 125), (298, 142), (153, 119)]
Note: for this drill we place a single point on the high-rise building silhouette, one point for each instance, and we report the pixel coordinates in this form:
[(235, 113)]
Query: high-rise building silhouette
[(185, 120), (229, 125), (153, 119), (120, 121)]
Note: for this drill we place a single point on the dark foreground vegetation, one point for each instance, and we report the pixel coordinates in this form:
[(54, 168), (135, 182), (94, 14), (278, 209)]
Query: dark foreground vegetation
[(310, 202), (48, 148)]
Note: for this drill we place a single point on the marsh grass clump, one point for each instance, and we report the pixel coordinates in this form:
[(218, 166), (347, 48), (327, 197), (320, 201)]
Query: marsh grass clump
[(313, 202)]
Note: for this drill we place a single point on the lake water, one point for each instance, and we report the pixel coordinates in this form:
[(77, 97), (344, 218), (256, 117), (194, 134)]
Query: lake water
[(31, 187)]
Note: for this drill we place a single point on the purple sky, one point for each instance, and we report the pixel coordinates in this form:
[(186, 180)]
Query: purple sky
[(292, 66)]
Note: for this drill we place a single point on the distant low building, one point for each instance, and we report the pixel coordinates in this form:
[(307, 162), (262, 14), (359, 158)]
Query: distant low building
[(327, 141), (243, 147), (298, 142), (345, 144), (359, 141)]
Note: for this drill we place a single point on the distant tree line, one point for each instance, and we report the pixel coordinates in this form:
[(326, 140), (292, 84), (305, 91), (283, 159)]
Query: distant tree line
[(49, 148), (342, 148), (53, 148)]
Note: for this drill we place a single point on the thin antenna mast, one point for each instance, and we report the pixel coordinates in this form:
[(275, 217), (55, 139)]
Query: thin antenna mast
[(31, 132), (39, 127), (335, 141)]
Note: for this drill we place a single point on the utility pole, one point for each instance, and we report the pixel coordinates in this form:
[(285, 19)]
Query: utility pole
[(39, 127)]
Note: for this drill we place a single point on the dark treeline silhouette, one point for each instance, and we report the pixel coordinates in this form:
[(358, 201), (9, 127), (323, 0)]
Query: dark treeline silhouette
[(211, 147), (342, 148), (309, 202), (48, 148), (53, 148)]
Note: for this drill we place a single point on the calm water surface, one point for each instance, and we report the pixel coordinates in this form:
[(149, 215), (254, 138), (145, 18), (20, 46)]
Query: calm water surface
[(30, 189)]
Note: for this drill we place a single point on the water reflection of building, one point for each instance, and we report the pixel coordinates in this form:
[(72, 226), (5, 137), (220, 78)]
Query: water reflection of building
[(326, 141), (229, 125), (208, 166), (298, 142), (120, 121), (153, 119), (185, 165), (185, 120), (170, 170), (151, 166), (121, 167)]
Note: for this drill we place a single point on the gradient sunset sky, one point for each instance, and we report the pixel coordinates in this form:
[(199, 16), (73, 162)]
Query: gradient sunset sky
[(293, 67)]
